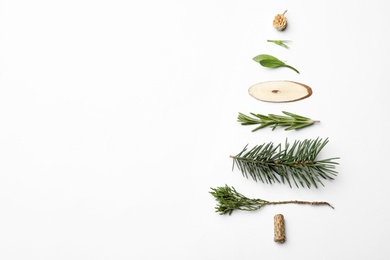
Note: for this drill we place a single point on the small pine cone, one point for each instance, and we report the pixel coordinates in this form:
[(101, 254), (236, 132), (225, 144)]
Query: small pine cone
[(280, 21)]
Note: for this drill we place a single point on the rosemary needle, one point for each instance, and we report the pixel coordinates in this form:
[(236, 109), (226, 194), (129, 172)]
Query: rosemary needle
[(282, 43), (289, 120)]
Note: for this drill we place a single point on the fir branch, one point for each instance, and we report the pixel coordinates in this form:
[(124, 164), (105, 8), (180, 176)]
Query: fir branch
[(290, 121), (295, 163), (229, 200)]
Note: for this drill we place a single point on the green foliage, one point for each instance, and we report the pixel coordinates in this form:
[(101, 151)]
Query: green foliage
[(228, 200), (290, 121), (269, 61), (295, 163), (282, 43)]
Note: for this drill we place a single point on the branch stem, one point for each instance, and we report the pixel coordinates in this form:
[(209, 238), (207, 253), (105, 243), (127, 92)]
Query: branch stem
[(298, 202)]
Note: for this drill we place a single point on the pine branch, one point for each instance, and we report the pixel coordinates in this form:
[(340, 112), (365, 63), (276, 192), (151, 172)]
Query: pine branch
[(295, 163), (290, 121), (229, 200)]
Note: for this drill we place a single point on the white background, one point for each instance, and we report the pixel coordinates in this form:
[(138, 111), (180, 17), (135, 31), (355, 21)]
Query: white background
[(116, 118)]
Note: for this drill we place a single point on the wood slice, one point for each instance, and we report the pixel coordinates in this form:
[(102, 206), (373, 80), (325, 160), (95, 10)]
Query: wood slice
[(280, 91)]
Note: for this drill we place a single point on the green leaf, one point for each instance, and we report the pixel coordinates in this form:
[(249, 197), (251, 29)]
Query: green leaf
[(261, 57), (290, 67), (269, 61)]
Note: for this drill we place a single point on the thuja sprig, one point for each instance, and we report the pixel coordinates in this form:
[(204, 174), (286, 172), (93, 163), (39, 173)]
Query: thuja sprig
[(282, 43), (289, 120), (295, 163), (228, 200)]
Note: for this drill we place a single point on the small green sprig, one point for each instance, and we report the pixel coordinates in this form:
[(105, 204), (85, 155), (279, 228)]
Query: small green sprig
[(269, 61), (289, 120), (282, 43), (228, 200)]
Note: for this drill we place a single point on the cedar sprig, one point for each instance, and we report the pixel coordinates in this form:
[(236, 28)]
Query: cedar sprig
[(295, 163), (228, 200), (289, 120)]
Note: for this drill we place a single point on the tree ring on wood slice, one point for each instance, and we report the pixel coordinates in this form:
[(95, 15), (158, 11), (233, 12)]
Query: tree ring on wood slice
[(280, 91)]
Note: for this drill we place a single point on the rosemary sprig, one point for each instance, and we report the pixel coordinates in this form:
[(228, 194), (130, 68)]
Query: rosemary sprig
[(282, 43), (296, 163), (290, 120), (228, 200)]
